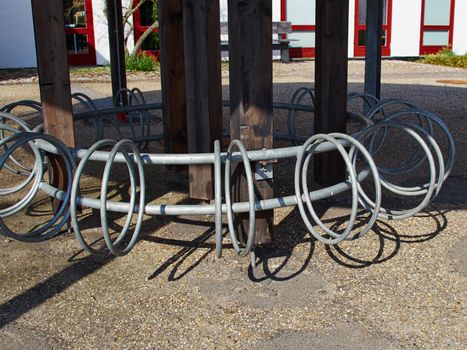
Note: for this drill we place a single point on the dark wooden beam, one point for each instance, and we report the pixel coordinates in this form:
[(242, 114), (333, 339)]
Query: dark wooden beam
[(331, 83), (373, 41), (116, 45), (54, 81), (173, 75), (52, 66), (250, 47), (204, 87)]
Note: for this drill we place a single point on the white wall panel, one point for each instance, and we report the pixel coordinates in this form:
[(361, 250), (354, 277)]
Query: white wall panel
[(17, 35), (406, 22), (459, 44)]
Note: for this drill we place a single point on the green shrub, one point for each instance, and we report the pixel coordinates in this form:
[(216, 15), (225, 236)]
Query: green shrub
[(141, 62), (446, 57)]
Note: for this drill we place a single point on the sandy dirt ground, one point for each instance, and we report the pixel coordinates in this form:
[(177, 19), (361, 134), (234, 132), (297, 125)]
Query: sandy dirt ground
[(403, 286)]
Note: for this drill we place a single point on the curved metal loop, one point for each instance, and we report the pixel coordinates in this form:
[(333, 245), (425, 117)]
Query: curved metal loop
[(62, 214), (371, 206), (19, 125), (113, 246), (302, 191), (74, 201), (34, 173), (379, 109), (368, 99), (140, 119), (296, 99), (430, 186), (89, 105), (251, 198), (430, 119)]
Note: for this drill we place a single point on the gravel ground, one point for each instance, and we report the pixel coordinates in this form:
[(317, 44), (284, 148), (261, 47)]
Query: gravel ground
[(403, 286)]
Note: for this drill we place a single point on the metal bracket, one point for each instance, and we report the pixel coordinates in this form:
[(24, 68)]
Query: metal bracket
[(263, 170)]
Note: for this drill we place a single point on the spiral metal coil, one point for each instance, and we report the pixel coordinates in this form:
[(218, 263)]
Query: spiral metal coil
[(36, 176), (377, 120)]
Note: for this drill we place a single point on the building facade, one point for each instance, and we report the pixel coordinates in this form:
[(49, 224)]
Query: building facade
[(411, 28)]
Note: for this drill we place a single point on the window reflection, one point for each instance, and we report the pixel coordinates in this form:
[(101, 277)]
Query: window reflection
[(77, 43), (75, 13)]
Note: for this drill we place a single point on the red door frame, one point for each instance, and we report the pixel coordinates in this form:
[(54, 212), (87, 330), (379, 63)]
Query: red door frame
[(425, 50), (298, 52), (359, 51), (89, 58), (139, 30)]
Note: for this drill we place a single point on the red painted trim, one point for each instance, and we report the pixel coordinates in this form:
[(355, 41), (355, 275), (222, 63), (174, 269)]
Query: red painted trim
[(302, 52), (89, 58), (426, 50), (359, 51), (303, 28), (298, 52), (283, 10), (139, 30)]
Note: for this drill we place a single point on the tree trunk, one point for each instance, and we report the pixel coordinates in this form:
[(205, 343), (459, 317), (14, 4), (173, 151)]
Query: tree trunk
[(141, 39)]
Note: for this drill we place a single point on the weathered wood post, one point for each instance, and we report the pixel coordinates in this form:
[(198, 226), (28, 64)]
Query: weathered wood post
[(116, 45), (250, 56), (373, 41), (201, 20), (331, 83), (173, 75), (54, 80)]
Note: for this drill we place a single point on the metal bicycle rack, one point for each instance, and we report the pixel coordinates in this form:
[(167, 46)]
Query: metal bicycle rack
[(374, 126)]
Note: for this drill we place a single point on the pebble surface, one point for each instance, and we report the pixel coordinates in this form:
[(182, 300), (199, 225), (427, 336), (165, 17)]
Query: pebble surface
[(403, 286)]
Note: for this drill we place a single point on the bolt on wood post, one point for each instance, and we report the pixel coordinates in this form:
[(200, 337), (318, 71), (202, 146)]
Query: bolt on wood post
[(250, 57), (331, 83)]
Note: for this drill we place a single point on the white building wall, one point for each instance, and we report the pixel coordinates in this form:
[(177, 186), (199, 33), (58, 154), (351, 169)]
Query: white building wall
[(459, 40), (101, 36), (18, 49), (406, 24)]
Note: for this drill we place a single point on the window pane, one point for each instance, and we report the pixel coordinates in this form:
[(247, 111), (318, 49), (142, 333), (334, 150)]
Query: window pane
[(436, 38), (147, 14), (75, 13), (302, 39), (301, 12), (385, 12), (362, 12), (362, 5), (77, 43), (437, 12), (361, 37)]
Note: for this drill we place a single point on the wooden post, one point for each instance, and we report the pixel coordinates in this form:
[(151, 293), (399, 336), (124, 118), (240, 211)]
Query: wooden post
[(250, 49), (331, 83), (54, 81), (204, 87), (116, 45), (173, 75), (373, 41)]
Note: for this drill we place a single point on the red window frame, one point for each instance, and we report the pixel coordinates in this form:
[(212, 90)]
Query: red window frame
[(88, 58), (298, 52), (428, 49), (139, 30), (360, 50)]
